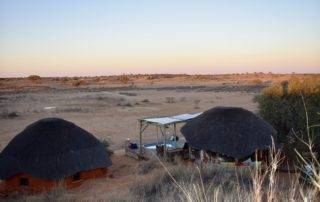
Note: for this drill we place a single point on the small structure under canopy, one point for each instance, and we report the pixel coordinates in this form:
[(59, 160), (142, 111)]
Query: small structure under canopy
[(162, 124)]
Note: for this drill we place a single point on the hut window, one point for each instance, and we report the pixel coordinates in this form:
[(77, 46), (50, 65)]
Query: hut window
[(76, 176), (24, 181)]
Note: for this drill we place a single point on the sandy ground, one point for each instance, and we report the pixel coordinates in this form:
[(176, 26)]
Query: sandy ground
[(109, 108), (110, 111)]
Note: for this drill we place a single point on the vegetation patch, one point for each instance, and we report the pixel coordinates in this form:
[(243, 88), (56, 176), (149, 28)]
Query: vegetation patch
[(124, 79), (170, 100), (128, 93), (286, 107), (257, 82), (34, 78), (146, 167), (77, 83), (169, 186), (9, 114), (145, 100)]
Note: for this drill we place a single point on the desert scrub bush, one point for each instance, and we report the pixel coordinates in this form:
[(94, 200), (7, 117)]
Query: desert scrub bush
[(170, 100), (3, 79), (128, 93), (126, 104), (281, 105), (5, 114), (96, 79), (124, 79), (203, 77), (64, 79), (257, 82), (153, 76), (168, 76), (77, 83), (34, 78)]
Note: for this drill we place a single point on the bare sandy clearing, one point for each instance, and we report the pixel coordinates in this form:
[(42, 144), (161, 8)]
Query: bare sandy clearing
[(109, 115), (110, 109)]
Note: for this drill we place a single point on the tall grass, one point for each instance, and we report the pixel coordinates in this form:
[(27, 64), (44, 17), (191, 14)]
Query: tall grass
[(188, 183), (313, 160), (215, 183)]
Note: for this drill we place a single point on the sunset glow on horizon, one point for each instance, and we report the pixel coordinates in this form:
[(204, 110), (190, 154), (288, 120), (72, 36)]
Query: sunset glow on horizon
[(88, 38)]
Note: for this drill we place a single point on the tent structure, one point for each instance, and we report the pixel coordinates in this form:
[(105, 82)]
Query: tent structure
[(161, 123), (230, 131), (48, 151)]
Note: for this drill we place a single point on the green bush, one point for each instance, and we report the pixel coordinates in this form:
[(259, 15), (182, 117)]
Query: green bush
[(282, 106)]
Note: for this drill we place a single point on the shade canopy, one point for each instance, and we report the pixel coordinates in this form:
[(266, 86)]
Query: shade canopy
[(170, 119), (52, 148), (230, 131)]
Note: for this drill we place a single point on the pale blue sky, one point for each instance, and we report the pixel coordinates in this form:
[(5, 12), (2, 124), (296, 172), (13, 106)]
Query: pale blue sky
[(77, 37)]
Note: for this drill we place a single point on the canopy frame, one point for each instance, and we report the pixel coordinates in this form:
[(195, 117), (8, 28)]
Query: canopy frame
[(161, 123)]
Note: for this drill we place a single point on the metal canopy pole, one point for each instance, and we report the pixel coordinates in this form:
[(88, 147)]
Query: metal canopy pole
[(157, 134), (140, 132), (161, 131), (175, 130), (165, 141)]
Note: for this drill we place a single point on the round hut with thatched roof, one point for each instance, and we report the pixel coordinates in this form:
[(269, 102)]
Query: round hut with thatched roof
[(231, 132), (49, 152)]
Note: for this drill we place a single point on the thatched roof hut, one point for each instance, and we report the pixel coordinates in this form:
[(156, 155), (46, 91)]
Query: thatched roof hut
[(230, 131), (52, 149)]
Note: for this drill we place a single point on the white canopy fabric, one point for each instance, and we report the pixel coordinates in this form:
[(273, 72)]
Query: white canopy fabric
[(171, 119)]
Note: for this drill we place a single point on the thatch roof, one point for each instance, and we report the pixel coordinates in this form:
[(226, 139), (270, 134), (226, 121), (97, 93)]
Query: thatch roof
[(230, 131), (51, 149)]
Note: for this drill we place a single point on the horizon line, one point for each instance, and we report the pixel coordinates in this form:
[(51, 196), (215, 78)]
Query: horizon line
[(177, 74)]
